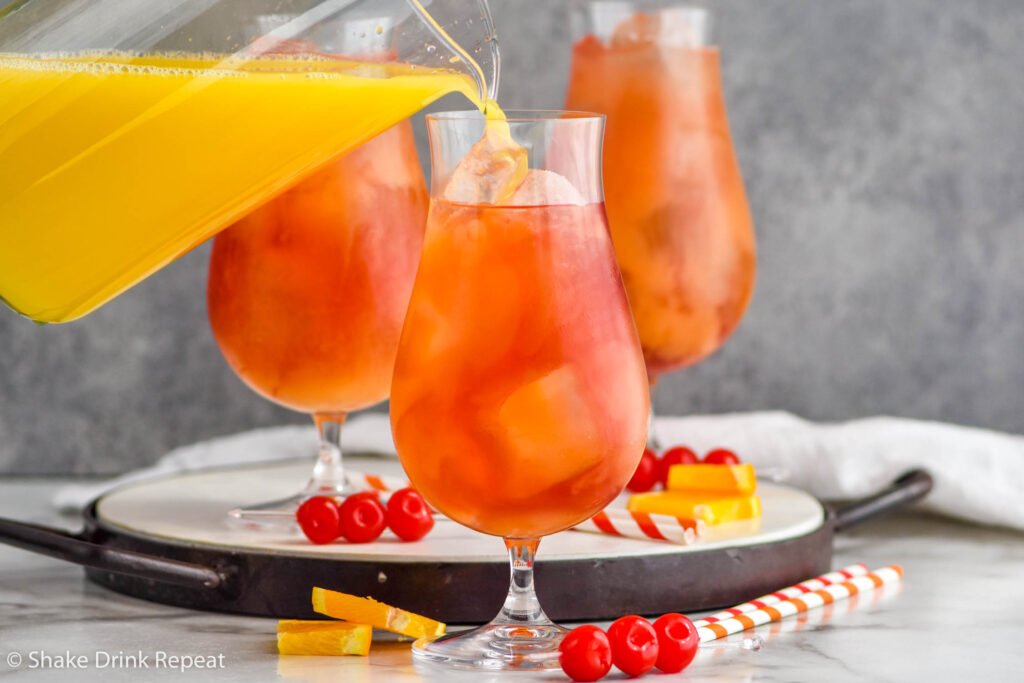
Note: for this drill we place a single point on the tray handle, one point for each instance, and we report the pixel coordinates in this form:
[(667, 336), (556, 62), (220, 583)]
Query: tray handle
[(908, 488), (74, 548)]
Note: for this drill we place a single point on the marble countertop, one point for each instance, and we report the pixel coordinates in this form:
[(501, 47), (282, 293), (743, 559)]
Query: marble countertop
[(954, 618)]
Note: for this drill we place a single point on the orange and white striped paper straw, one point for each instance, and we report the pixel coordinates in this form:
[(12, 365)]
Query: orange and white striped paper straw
[(797, 605), (795, 591), (618, 522)]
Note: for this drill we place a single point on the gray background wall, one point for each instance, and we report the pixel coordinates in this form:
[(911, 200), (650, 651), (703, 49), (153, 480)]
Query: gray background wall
[(882, 144)]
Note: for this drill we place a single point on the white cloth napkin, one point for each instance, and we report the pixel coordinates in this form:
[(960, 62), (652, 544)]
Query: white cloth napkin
[(369, 432), (979, 474)]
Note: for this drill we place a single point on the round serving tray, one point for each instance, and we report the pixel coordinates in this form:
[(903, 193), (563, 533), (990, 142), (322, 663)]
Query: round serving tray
[(169, 540), (454, 574)]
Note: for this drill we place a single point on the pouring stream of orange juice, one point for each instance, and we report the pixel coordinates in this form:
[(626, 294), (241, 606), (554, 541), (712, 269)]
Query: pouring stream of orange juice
[(113, 165)]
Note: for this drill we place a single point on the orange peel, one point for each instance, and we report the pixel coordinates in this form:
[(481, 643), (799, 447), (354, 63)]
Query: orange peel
[(377, 614), (323, 638), (731, 479), (706, 506)]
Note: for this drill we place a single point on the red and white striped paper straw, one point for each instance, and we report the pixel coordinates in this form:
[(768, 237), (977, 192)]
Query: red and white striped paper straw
[(386, 485), (368, 482), (845, 574), (612, 521), (618, 522), (796, 605)]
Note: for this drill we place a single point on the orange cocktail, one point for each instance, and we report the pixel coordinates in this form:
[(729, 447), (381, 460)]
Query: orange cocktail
[(676, 205), (519, 403), (513, 410), (307, 294)]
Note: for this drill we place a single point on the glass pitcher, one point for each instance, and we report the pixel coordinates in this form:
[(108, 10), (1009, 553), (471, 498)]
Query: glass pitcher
[(133, 130)]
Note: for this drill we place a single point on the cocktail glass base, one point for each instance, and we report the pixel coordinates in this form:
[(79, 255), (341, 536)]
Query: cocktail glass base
[(275, 515), (495, 647), (328, 479)]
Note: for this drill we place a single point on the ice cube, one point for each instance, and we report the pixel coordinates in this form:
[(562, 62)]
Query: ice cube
[(640, 28), (491, 170), (549, 427), (541, 188), (673, 27)]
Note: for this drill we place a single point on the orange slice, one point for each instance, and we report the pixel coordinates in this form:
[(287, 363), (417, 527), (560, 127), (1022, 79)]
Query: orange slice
[(707, 506), (324, 638), (719, 478), (368, 611)]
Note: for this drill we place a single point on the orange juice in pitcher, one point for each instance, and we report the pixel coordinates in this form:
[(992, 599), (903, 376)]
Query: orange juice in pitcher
[(122, 147)]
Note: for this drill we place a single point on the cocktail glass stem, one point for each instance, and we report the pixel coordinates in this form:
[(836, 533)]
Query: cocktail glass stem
[(328, 480), (329, 475), (522, 606), (520, 638)]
